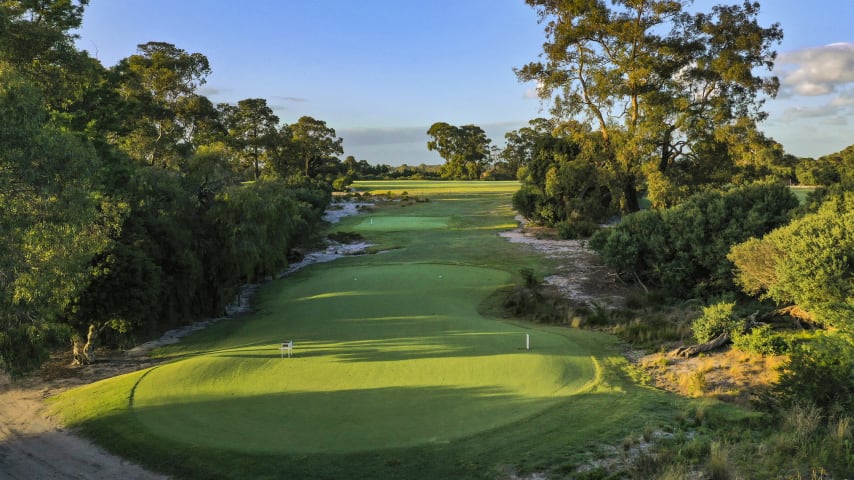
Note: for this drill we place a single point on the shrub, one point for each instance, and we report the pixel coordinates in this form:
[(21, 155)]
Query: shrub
[(716, 319), (807, 262), (821, 370), (576, 228), (684, 249), (761, 340)]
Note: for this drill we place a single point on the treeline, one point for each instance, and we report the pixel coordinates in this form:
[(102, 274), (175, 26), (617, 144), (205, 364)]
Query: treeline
[(655, 129), (129, 202)]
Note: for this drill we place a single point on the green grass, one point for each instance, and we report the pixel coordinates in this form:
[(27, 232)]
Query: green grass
[(802, 192), (426, 188), (395, 373)]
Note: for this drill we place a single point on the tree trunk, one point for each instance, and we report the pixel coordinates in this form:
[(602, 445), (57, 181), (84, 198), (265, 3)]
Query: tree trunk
[(713, 344), (630, 195), (84, 354)]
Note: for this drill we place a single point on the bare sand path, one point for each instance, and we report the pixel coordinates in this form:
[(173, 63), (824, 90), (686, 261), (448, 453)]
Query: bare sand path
[(33, 446)]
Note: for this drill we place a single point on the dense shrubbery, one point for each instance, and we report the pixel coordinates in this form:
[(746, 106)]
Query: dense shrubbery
[(807, 263), (683, 250)]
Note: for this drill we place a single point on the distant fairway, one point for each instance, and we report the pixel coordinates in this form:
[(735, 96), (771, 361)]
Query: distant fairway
[(395, 374), (401, 223), (426, 188)]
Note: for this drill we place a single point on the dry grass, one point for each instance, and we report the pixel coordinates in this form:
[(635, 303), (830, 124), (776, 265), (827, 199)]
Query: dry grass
[(730, 375)]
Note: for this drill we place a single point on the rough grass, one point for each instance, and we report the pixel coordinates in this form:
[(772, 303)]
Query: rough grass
[(395, 374)]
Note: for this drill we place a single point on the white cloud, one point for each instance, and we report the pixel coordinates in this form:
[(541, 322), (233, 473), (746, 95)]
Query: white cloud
[(817, 71)]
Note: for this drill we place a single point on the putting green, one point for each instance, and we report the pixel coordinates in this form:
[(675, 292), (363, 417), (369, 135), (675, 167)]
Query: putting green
[(385, 356)]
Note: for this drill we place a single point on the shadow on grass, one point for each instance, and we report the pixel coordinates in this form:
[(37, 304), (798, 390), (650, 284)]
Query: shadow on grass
[(558, 436)]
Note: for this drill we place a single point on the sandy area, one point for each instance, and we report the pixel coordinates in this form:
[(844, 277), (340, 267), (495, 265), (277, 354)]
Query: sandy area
[(33, 446), (579, 275)]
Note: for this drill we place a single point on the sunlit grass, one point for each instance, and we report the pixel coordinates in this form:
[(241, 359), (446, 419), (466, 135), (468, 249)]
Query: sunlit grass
[(429, 188), (395, 374)]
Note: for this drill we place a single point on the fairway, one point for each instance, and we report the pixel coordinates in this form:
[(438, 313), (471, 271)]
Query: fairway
[(399, 224), (395, 372)]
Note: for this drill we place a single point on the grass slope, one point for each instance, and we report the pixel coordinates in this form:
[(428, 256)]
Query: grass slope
[(396, 375)]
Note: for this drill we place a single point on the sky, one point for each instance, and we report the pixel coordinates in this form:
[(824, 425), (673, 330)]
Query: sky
[(380, 72)]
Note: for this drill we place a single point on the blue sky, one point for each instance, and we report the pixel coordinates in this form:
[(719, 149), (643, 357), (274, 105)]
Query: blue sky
[(380, 72)]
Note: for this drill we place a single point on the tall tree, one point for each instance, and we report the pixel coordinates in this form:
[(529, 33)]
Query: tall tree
[(252, 130), (655, 79), (315, 143), (161, 79), (53, 221), (465, 149)]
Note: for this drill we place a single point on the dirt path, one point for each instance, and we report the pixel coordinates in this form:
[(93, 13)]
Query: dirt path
[(33, 446)]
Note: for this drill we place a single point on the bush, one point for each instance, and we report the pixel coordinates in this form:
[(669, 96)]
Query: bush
[(821, 370), (684, 249), (716, 319), (761, 340), (576, 228), (807, 263)]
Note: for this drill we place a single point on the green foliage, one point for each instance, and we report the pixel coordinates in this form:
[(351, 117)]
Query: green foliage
[(760, 339), (821, 370), (717, 319), (120, 206), (684, 249), (576, 228), (596, 66), (465, 150), (807, 262)]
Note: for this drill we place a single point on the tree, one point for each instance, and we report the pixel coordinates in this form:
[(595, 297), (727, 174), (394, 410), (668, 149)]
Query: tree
[(654, 79), (465, 149), (161, 80), (53, 222), (252, 131), (314, 143)]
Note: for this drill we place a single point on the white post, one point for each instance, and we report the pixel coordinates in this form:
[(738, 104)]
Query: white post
[(527, 341)]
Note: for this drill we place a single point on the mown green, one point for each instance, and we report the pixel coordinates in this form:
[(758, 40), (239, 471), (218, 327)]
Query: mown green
[(395, 373)]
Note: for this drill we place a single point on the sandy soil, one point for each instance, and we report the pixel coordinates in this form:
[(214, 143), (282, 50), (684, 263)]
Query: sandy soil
[(579, 275), (33, 446)]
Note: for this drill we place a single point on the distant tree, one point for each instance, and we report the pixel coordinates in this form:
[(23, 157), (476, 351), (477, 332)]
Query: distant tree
[(655, 80), (251, 130), (314, 143), (465, 149)]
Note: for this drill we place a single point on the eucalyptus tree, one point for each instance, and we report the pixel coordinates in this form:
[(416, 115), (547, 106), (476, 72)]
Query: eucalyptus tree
[(465, 149), (252, 131), (161, 80), (655, 79), (314, 143), (53, 222)]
